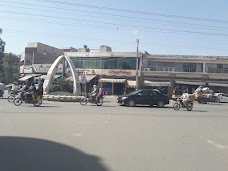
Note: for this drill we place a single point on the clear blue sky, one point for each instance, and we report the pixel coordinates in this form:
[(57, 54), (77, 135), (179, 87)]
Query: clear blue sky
[(66, 24)]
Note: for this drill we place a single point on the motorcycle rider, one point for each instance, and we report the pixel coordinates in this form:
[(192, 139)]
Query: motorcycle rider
[(101, 93), (14, 87), (94, 92), (32, 90), (39, 92), (184, 98), (24, 89)]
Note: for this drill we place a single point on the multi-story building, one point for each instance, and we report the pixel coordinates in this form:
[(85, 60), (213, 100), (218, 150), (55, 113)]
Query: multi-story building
[(115, 71), (37, 59), (187, 72)]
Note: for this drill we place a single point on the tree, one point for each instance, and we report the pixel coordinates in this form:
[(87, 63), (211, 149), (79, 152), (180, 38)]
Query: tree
[(2, 48), (10, 67)]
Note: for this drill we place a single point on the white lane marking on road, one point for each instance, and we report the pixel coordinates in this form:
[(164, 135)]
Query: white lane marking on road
[(77, 134), (225, 147), (106, 121)]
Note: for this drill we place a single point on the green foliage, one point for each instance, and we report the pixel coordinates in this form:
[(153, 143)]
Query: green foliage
[(62, 85), (2, 48), (10, 67)]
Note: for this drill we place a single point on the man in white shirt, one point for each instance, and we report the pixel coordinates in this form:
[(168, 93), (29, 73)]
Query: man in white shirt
[(185, 98), (14, 87)]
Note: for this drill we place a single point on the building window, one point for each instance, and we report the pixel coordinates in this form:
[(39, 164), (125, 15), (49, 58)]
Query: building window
[(189, 67), (105, 63)]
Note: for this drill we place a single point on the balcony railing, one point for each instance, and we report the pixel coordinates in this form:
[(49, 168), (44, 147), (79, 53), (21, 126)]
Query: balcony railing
[(162, 69), (217, 70)]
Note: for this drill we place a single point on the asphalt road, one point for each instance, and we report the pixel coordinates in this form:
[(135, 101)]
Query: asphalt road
[(70, 137)]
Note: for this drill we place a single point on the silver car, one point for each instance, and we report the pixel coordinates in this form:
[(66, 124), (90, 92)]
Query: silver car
[(222, 97)]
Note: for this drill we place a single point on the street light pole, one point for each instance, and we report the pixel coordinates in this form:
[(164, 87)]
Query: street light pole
[(137, 65)]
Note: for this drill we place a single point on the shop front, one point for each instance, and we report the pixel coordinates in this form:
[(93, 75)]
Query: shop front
[(189, 86), (113, 85)]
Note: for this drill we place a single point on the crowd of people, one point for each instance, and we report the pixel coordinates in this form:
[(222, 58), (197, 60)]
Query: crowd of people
[(35, 90)]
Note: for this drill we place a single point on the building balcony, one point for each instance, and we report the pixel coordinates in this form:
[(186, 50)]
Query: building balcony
[(217, 70), (170, 69), (161, 69)]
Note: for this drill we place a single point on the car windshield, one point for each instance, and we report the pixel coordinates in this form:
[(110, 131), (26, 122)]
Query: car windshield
[(135, 92)]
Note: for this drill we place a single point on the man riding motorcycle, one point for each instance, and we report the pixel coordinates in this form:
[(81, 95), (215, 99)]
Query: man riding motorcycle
[(94, 92), (39, 92), (184, 98)]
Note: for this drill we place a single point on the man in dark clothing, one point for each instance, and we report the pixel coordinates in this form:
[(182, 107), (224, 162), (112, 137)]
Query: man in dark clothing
[(39, 92)]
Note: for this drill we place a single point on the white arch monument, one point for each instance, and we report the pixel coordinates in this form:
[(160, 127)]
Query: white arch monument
[(52, 71)]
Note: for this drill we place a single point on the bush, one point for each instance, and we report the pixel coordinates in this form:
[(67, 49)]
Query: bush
[(62, 85)]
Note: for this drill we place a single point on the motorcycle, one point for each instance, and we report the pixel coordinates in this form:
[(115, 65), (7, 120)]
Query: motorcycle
[(88, 99), (11, 96), (179, 103), (27, 98)]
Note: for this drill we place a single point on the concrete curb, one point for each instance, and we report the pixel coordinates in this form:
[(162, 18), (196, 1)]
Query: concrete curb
[(65, 98), (62, 98)]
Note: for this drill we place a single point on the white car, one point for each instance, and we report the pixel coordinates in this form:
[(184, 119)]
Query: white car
[(222, 97)]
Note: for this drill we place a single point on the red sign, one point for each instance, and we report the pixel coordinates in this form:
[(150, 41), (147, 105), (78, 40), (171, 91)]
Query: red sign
[(120, 72)]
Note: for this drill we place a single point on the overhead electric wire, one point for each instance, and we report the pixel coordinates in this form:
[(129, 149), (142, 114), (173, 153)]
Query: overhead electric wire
[(154, 43), (134, 11), (123, 25), (67, 36), (66, 10), (215, 28)]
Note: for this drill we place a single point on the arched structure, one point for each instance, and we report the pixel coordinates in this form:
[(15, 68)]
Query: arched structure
[(52, 71)]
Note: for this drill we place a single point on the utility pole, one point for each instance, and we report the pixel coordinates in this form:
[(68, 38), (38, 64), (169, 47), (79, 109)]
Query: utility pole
[(137, 65), (33, 57), (24, 64)]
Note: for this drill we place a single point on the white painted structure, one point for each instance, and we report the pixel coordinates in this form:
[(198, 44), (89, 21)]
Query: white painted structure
[(52, 71)]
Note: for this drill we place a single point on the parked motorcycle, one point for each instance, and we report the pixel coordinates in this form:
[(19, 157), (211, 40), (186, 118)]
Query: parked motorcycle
[(27, 98), (88, 99), (178, 104)]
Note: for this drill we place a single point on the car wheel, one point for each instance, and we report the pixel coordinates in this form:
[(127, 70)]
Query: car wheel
[(131, 103), (160, 104)]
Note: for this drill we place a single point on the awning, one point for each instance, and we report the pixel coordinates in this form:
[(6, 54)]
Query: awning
[(44, 76), (26, 77), (218, 84), (156, 84), (131, 84), (190, 83), (88, 78), (109, 80)]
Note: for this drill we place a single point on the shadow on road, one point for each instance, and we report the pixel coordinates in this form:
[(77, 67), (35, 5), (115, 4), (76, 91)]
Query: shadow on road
[(30, 154), (146, 106), (199, 111)]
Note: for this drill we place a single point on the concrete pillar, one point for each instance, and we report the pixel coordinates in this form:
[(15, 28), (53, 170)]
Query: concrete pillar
[(204, 68), (112, 88), (64, 68)]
